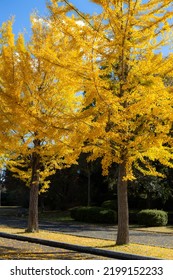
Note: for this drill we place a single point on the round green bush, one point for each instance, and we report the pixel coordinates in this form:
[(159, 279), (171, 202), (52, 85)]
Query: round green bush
[(152, 218), (93, 215)]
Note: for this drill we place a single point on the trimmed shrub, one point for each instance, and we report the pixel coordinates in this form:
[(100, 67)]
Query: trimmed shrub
[(110, 204), (93, 215), (152, 218)]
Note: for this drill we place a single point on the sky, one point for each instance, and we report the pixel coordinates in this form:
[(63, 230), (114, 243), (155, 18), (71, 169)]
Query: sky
[(22, 9)]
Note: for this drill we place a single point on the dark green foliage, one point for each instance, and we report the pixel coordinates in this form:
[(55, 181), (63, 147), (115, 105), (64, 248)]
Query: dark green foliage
[(149, 217), (170, 218), (133, 216), (94, 215), (110, 204), (150, 192), (16, 191)]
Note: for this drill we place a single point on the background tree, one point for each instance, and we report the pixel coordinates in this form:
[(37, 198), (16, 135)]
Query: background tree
[(151, 192), (123, 70), (17, 194)]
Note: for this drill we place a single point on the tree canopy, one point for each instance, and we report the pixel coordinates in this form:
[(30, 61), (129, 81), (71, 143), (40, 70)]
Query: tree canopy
[(37, 109)]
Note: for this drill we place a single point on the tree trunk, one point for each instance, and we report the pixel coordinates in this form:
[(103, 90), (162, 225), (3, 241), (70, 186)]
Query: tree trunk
[(123, 212), (34, 190), (89, 187)]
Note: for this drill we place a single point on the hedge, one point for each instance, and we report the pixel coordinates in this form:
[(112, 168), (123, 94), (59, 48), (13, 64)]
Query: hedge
[(152, 217), (94, 215)]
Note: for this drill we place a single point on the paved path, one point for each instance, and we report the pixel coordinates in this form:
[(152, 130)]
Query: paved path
[(97, 231), (110, 232)]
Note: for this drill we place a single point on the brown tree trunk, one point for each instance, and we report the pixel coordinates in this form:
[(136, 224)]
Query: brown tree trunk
[(89, 186), (123, 211), (34, 190)]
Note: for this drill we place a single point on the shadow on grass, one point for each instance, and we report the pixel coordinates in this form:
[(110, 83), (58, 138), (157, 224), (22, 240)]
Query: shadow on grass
[(107, 246), (21, 232)]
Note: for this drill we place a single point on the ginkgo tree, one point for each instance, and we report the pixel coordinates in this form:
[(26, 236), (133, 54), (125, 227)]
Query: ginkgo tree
[(129, 108), (37, 111)]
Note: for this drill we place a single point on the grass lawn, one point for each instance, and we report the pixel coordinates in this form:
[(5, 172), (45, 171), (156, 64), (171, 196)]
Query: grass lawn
[(139, 249)]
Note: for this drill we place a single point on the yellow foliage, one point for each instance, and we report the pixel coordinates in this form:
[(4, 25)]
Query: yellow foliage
[(38, 109), (125, 112), (123, 74)]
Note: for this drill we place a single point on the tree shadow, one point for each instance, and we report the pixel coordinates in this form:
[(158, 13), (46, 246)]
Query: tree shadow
[(108, 246)]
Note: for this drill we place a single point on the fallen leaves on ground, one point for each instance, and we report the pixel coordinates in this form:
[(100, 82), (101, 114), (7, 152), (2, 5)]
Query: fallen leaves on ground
[(138, 249), (167, 229), (22, 250)]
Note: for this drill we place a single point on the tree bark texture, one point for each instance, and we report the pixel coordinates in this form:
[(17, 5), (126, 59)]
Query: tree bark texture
[(123, 211), (89, 186), (34, 191)]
